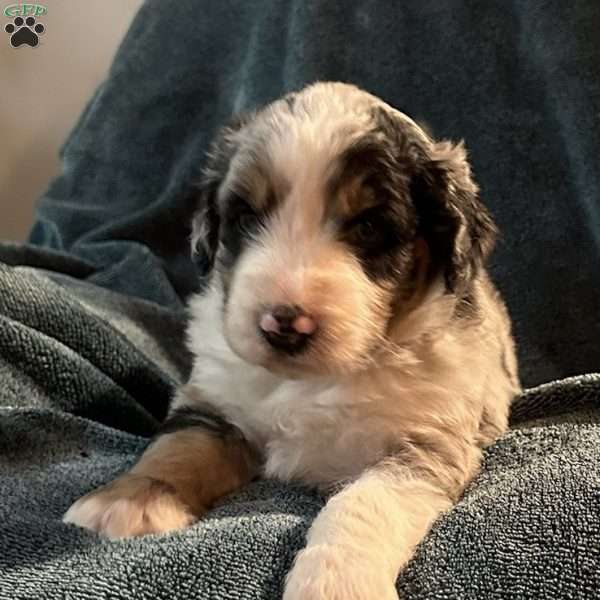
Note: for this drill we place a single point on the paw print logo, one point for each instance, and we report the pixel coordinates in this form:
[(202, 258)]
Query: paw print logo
[(24, 31)]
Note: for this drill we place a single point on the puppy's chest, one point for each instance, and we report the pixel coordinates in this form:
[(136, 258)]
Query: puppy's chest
[(315, 432)]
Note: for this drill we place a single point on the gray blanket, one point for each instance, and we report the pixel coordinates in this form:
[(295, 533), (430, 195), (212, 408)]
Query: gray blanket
[(92, 309)]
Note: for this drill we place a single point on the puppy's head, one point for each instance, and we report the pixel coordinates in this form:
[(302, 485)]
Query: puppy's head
[(323, 219)]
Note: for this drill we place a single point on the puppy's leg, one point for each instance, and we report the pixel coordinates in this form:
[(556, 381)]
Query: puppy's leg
[(364, 535), (196, 460)]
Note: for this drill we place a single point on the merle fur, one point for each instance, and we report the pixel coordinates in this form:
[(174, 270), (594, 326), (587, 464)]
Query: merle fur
[(421, 198)]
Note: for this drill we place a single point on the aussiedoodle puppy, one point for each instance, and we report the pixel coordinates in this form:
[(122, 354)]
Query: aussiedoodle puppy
[(348, 338)]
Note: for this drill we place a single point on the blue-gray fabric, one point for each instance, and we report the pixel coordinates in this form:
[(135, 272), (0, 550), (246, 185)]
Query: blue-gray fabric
[(92, 309)]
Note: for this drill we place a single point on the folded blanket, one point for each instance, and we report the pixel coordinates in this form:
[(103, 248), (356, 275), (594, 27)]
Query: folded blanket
[(85, 375), (92, 311)]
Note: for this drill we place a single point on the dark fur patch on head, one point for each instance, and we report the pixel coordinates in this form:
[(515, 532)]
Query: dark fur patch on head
[(450, 216), (207, 221), (205, 233), (239, 223), (391, 188), (453, 221), (382, 232)]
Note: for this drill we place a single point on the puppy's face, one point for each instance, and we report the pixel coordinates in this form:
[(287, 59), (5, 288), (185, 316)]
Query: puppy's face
[(323, 218)]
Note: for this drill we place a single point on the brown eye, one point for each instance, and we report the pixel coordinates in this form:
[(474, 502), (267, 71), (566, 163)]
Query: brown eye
[(372, 233), (365, 232)]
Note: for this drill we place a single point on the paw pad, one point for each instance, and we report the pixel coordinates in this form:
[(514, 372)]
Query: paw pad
[(24, 31)]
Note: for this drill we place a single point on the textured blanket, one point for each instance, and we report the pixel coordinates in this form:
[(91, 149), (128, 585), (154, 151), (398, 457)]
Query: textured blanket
[(92, 310)]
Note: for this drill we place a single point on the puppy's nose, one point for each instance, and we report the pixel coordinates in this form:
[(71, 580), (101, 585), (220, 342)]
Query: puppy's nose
[(287, 328)]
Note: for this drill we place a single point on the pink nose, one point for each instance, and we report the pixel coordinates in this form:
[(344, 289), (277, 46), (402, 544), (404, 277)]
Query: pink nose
[(286, 328), (300, 324)]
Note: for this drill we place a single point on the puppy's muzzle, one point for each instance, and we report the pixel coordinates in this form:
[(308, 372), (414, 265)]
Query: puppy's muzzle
[(288, 329)]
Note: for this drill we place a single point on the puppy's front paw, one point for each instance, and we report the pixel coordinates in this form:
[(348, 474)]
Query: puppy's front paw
[(130, 506), (332, 573)]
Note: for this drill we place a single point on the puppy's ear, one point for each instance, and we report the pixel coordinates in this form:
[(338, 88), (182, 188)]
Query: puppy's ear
[(206, 222), (453, 221), (205, 233)]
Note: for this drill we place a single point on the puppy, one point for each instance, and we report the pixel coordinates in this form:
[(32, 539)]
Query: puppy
[(348, 338)]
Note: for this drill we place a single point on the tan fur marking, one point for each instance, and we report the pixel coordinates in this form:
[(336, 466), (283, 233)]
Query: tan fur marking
[(199, 466), (352, 197), (176, 480)]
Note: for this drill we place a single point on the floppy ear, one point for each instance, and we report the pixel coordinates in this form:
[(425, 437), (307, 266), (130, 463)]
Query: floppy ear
[(205, 232), (206, 221), (453, 221)]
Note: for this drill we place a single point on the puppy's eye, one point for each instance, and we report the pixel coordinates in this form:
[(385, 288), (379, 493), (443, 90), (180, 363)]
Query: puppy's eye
[(240, 215), (246, 222), (365, 232)]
